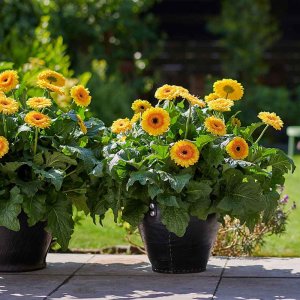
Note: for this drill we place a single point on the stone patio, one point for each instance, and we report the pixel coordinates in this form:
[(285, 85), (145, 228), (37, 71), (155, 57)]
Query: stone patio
[(84, 276)]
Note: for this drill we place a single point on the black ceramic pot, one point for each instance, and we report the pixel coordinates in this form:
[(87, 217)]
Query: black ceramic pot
[(169, 253), (24, 250)]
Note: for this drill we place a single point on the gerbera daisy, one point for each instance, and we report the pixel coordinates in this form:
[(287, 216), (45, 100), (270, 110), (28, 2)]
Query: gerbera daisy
[(38, 102), (155, 121), (168, 92), (184, 153), (237, 148), (37, 119), (81, 124), (8, 80), (4, 146), (193, 99), (81, 95), (121, 125), (52, 77), (139, 106), (211, 96), (51, 87), (8, 106), (215, 125), (271, 119), (135, 118), (220, 104), (236, 122), (229, 89)]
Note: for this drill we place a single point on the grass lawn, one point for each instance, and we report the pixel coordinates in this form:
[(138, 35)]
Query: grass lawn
[(90, 236)]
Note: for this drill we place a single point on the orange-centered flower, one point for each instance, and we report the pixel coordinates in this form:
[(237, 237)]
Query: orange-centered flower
[(37, 119), (155, 121), (184, 153), (237, 148)]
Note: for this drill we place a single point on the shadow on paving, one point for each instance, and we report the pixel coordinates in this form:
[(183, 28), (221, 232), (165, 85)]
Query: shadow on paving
[(241, 279)]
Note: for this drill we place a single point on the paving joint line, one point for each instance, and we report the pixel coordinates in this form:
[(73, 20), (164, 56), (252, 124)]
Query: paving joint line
[(220, 279), (68, 278)]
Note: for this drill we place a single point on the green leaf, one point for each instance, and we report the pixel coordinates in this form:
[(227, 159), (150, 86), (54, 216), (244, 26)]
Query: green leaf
[(213, 155), (142, 177), (56, 177), (202, 140), (197, 190), (79, 201), (198, 193), (175, 219), (271, 199), (11, 167), (167, 200), (35, 208), (177, 182), (243, 195), (98, 170), (60, 222), (248, 131), (161, 151), (58, 160), (10, 209), (86, 155), (154, 190), (134, 211)]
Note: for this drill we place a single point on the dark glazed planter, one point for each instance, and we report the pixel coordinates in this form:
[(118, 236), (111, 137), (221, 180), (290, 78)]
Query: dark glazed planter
[(24, 250), (169, 253)]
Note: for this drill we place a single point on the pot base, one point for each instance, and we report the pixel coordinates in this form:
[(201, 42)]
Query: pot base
[(180, 271), (24, 250)]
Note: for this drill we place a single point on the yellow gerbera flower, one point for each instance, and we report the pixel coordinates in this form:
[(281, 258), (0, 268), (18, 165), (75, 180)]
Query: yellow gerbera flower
[(4, 146), (168, 92), (238, 148), (139, 106), (236, 122), (211, 96), (8, 80), (220, 104), (215, 125), (135, 118), (81, 124), (121, 125), (155, 121), (52, 77), (38, 102), (229, 89), (37, 119), (184, 153), (51, 87), (8, 106), (81, 95), (271, 119), (193, 99)]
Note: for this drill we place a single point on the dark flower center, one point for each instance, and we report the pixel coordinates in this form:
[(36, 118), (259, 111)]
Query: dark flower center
[(228, 89), (184, 152), (155, 120), (238, 148)]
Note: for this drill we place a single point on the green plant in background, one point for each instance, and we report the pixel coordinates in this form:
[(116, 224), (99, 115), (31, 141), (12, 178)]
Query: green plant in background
[(192, 161), (246, 29), (120, 32), (44, 160)]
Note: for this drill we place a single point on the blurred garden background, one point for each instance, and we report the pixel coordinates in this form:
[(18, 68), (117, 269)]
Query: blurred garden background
[(124, 49)]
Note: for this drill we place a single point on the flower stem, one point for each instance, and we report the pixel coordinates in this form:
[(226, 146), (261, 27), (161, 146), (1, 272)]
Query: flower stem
[(35, 141), (261, 135), (188, 121), (4, 125)]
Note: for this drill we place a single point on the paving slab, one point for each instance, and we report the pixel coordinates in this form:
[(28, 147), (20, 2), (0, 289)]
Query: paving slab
[(258, 289), (138, 265), (29, 286), (262, 267), (62, 264), (132, 287)]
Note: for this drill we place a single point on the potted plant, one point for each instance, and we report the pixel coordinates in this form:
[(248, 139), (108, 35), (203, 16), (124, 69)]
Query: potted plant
[(43, 163), (178, 168)]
